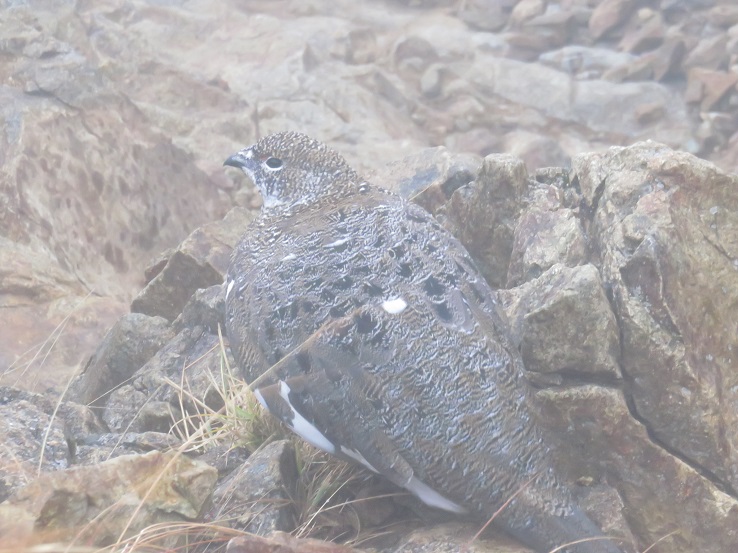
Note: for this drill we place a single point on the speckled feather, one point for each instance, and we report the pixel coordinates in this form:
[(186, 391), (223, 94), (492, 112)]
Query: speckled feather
[(368, 330)]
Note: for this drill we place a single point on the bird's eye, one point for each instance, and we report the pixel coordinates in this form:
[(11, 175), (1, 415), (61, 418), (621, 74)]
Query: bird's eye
[(273, 163)]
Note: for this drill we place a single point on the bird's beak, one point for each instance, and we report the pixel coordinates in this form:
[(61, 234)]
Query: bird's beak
[(236, 160)]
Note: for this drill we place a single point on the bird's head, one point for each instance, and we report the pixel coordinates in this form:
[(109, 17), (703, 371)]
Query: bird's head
[(290, 169)]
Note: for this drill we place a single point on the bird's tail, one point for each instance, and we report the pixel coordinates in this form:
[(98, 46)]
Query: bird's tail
[(567, 531)]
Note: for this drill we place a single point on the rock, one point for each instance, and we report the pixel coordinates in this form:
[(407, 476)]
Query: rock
[(413, 53), (225, 457), (548, 232), (456, 537), (257, 496), (96, 448), (361, 46), (665, 225), (585, 62), (525, 10), (555, 29), (660, 492), (587, 346), (710, 87), (489, 15), (667, 59), (645, 33), (431, 80), (206, 308), (170, 386), (200, 261), (724, 15), (43, 345), (535, 150), (429, 177), (38, 434), (132, 341), (709, 53), (608, 15), (598, 105), (283, 543), (97, 505), (106, 163), (488, 234)]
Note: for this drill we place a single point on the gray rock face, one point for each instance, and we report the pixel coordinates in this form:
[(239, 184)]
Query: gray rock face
[(150, 401), (256, 496), (38, 436), (132, 341)]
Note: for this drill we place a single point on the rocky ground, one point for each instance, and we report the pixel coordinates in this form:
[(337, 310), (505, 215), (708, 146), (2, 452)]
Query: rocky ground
[(620, 282), (117, 116)]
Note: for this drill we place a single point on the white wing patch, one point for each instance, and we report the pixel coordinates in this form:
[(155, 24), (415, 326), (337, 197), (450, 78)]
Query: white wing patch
[(356, 456), (231, 283), (260, 398), (431, 497), (304, 428), (289, 257), (395, 306)]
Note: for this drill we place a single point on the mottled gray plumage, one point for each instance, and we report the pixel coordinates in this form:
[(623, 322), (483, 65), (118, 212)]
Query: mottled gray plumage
[(370, 332)]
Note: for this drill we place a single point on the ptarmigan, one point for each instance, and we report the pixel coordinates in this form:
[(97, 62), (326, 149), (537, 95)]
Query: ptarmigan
[(367, 329)]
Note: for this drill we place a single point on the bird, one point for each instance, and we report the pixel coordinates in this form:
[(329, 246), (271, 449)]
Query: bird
[(367, 329)]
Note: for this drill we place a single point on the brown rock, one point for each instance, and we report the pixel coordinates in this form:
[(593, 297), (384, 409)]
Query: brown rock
[(666, 500), (666, 226), (97, 505), (284, 543), (457, 537), (710, 87), (536, 150), (640, 69), (646, 32), (525, 10), (548, 232), (488, 233), (43, 345), (667, 58), (710, 53), (429, 177), (608, 15), (199, 262), (587, 345)]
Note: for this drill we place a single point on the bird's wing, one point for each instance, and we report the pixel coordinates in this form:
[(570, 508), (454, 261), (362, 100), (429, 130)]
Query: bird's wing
[(330, 392)]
